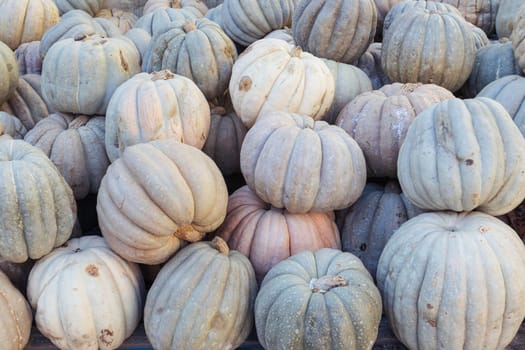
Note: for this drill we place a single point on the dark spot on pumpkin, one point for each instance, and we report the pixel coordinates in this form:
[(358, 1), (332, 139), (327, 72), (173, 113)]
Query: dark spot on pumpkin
[(9, 67), (106, 336), (92, 270), (430, 306), (160, 310), (123, 62), (432, 323), (483, 229), (77, 250), (228, 52), (362, 247), (245, 84), (469, 162), (103, 41)]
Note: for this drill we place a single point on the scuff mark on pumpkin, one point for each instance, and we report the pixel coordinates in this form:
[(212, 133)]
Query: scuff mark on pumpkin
[(92, 270), (123, 62), (106, 336), (432, 323), (483, 229), (469, 162), (245, 84), (430, 306)]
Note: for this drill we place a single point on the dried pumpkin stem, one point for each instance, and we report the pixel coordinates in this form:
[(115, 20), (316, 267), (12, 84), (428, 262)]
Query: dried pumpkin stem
[(188, 27), (221, 245), (79, 121), (164, 74), (325, 283), (188, 233), (296, 51)]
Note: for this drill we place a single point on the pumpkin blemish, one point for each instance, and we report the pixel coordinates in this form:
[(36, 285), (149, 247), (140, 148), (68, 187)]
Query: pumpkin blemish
[(106, 336), (92, 270)]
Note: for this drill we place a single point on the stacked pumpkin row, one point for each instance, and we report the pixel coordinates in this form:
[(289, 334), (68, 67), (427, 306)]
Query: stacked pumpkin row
[(149, 108)]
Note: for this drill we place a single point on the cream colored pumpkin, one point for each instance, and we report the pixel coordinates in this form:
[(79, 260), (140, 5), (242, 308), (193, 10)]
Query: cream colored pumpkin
[(156, 106), (272, 75), (156, 196), (291, 161), (85, 296)]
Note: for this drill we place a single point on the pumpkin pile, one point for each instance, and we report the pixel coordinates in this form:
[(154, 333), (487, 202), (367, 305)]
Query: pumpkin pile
[(288, 171)]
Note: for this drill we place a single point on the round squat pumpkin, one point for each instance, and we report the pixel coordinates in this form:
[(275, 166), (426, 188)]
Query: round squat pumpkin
[(268, 235), (157, 195), (291, 161), (85, 296), (461, 155), (450, 280), (201, 299), (318, 300), (8, 71)]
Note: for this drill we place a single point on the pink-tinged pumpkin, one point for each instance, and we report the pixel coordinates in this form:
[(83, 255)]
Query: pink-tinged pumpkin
[(85, 296), (272, 75), (160, 105), (268, 235), (463, 155), (291, 161), (197, 7), (158, 195), (8, 71), (28, 58), (378, 121)]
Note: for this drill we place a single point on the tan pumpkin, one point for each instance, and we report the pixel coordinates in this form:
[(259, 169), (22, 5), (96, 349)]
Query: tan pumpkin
[(517, 37), (268, 235), (156, 196), (12, 126), (123, 20), (23, 21), (197, 7), (28, 58), (463, 155), (75, 144), (160, 105), (291, 161), (272, 75), (8, 71), (378, 121), (80, 75), (16, 319), (85, 296)]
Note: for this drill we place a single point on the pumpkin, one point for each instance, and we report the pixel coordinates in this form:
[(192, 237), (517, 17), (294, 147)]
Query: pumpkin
[(506, 16), (449, 280), (8, 71), (85, 296), (492, 62), (215, 14), (224, 140), (213, 3), (428, 47), (480, 38), (80, 75), (517, 37), (370, 63), (75, 144), (182, 311), (283, 34), (28, 58), (369, 223), (12, 126), (383, 7), (76, 24), (89, 6), (291, 161), (123, 20), (134, 6), (340, 30), (23, 21), (350, 81), (268, 235), (16, 317), (272, 75), (160, 105), (252, 20), (516, 220), (481, 13), (318, 300), (509, 91), (444, 161), (197, 49), (141, 39), (155, 22), (37, 207), (197, 7), (156, 196), (378, 121), (27, 102)]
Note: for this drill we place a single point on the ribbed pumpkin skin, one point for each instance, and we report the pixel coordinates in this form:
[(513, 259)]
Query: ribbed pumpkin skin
[(370, 63), (383, 7), (23, 21), (123, 20), (272, 75), (378, 121), (340, 30), (283, 34), (8, 71), (155, 22), (250, 20), (450, 281), (37, 207), (290, 314), (505, 17), (509, 91), (201, 299), (12, 126), (28, 58), (517, 37), (75, 144), (16, 319), (406, 57), (197, 7), (350, 81), (267, 235), (290, 161), (156, 195), (197, 49), (134, 6), (481, 13), (141, 39), (85, 296), (215, 14), (27, 103), (156, 106), (369, 223), (462, 155), (80, 75), (89, 6)]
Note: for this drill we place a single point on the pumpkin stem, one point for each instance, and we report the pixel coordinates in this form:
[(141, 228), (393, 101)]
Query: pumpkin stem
[(188, 27), (325, 283), (188, 233), (79, 121), (296, 51), (175, 4), (162, 75), (221, 245)]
